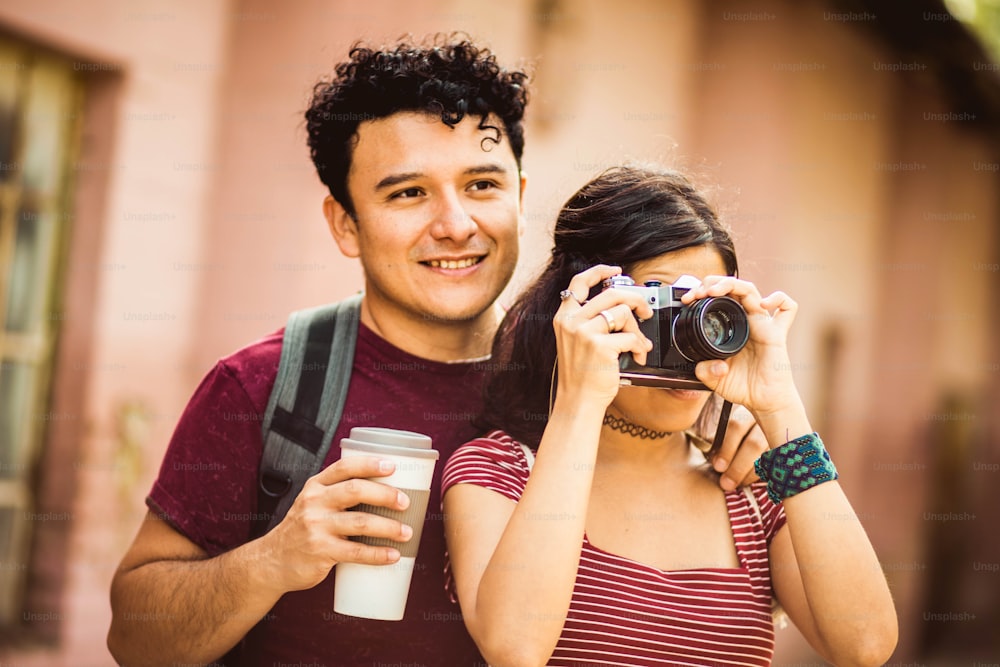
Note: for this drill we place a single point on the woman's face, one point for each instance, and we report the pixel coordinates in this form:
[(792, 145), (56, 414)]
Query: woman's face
[(658, 408)]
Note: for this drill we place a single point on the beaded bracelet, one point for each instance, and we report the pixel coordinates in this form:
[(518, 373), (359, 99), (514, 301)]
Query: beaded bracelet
[(797, 465)]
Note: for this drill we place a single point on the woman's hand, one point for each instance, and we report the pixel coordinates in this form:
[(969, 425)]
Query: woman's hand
[(591, 335), (760, 375)]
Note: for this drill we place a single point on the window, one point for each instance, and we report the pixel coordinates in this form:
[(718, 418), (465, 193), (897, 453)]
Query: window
[(40, 103)]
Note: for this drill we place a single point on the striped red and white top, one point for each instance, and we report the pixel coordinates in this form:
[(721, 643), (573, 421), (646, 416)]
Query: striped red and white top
[(626, 613)]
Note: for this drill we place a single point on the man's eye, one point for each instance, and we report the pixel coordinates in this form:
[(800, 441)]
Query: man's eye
[(407, 193), (482, 185)]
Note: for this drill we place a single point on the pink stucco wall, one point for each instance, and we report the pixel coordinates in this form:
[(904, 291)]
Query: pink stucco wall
[(140, 210), (205, 228)]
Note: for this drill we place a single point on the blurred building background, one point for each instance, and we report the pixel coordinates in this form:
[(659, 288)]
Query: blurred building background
[(158, 210)]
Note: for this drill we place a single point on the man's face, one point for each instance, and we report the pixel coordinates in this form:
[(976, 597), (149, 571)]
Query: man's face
[(438, 214)]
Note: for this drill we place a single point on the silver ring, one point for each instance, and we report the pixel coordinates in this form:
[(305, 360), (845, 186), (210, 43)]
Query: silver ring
[(610, 320), (568, 294)]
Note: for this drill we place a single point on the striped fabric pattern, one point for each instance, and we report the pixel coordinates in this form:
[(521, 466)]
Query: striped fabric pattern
[(626, 613)]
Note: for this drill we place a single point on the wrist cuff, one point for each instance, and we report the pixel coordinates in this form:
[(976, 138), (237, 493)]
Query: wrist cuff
[(794, 467)]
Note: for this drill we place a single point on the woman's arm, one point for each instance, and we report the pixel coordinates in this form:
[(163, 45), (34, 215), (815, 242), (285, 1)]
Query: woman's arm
[(823, 567), (827, 577), (824, 570), (515, 565)]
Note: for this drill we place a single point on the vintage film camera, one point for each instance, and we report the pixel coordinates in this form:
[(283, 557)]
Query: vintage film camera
[(709, 328)]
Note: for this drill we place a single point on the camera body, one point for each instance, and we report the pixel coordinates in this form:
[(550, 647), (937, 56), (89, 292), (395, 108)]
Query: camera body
[(682, 335)]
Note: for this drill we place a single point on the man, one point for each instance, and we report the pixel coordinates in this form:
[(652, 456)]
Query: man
[(420, 148)]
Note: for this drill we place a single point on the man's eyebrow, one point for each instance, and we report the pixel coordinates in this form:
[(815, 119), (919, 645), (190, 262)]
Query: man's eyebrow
[(393, 180), (489, 168)]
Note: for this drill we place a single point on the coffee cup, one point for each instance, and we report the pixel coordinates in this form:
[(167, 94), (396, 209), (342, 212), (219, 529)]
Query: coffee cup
[(380, 591)]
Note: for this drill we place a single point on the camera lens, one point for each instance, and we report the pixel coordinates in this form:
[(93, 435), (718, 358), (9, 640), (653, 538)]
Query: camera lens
[(718, 328), (711, 328)]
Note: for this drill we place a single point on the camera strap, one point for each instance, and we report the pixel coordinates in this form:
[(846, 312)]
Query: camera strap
[(720, 430)]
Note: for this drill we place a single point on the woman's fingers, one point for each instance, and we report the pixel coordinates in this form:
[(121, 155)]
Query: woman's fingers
[(628, 303), (610, 312), (776, 311), (781, 306), (743, 291), (579, 287), (712, 372), (616, 318), (604, 326), (617, 322)]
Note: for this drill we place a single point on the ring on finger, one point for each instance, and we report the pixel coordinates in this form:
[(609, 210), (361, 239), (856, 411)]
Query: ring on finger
[(569, 294), (610, 319)]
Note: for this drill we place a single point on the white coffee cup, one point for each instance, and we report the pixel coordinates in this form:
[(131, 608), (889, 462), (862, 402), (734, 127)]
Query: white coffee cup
[(380, 591)]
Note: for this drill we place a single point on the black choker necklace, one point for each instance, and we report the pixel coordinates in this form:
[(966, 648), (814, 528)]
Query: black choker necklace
[(627, 427)]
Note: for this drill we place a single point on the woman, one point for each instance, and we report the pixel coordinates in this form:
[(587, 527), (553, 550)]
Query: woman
[(615, 545)]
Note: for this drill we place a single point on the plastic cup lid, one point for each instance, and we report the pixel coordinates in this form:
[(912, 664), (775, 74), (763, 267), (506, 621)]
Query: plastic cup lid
[(376, 439)]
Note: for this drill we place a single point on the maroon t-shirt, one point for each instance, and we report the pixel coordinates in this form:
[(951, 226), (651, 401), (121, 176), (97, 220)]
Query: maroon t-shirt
[(207, 489)]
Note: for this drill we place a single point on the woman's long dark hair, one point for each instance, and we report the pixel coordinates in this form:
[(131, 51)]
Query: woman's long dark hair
[(624, 216)]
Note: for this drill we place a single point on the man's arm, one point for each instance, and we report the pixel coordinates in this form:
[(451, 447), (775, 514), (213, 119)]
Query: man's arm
[(171, 603)]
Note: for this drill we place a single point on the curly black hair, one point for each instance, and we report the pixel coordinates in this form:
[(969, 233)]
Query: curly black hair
[(449, 76)]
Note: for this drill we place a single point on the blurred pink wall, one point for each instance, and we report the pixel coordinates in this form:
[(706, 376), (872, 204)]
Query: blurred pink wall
[(204, 230)]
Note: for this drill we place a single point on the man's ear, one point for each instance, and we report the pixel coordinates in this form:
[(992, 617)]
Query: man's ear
[(343, 227)]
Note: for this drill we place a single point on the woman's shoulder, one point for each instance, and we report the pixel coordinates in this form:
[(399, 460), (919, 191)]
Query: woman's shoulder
[(494, 458), (497, 445), (495, 438)]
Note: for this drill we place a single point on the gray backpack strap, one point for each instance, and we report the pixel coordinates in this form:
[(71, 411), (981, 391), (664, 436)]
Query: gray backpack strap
[(306, 403)]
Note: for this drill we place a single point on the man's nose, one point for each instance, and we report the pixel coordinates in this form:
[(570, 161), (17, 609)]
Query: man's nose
[(451, 220)]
